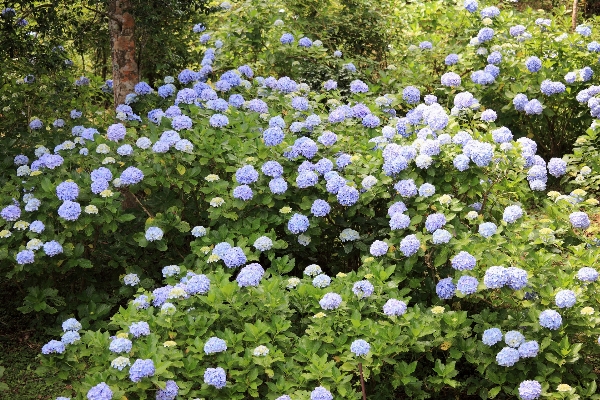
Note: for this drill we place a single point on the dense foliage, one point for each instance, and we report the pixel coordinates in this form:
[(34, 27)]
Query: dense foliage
[(281, 236)]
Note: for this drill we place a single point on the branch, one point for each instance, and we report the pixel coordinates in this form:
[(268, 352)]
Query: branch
[(104, 13), (141, 205)]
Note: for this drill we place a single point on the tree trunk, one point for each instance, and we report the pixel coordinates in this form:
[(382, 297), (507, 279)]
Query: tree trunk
[(125, 69), (574, 16)]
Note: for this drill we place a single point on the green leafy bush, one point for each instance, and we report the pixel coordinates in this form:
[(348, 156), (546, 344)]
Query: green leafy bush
[(428, 236)]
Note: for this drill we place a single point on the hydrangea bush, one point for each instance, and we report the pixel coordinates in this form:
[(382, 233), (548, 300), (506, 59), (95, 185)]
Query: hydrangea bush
[(301, 234)]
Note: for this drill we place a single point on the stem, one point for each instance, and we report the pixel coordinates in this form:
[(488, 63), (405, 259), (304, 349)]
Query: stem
[(362, 382), (141, 205)]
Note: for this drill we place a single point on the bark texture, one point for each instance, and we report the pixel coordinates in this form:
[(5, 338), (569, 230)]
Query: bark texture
[(122, 44)]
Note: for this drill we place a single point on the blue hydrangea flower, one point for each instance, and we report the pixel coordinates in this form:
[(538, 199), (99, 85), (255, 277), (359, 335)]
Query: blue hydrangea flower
[(583, 30), (69, 210), (218, 121), (487, 229), (250, 275), (154, 233), (379, 248), (441, 236), (485, 34), (53, 346), (323, 166), (307, 179), (451, 59), (100, 392), (37, 227), (529, 349), (360, 347), (451, 79), (516, 30), (550, 319), (35, 124), (550, 88), (467, 284), (278, 185), (52, 248), (363, 289), (587, 274), (435, 222), (491, 336), (320, 393), (507, 357), (169, 392), (426, 190), (234, 257), (120, 345), (71, 324), (395, 165), (461, 162), (131, 176), (263, 243), (142, 88), (141, 369), (530, 390), (116, 132), (494, 58), (320, 208), (406, 188), (516, 278), (298, 224), (411, 95), (330, 85), (471, 5), (67, 191), (371, 121), (394, 307), (258, 106), (399, 221), (214, 345), (304, 42), (489, 116), (410, 245), (347, 195), (273, 136), (286, 85), (557, 167), (490, 12), (512, 213), (246, 175), (358, 86), (215, 377), (579, 220), (565, 299), (349, 67), (593, 46), (463, 261), (495, 277), (514, 338), (197, 284), (445, 289), (330, 301), (321, 281), (533, 64), (138, 329)]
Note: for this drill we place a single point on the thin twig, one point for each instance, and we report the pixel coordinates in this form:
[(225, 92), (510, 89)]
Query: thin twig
[(362, 382), (141, 205)]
